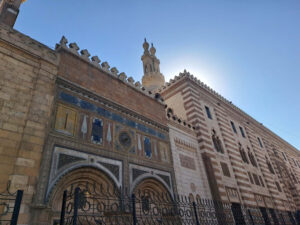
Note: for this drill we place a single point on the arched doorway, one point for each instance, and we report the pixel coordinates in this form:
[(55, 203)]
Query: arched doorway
[(97, 196), (154, 203)]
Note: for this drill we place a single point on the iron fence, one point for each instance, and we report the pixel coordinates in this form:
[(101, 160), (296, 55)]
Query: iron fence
[(88, 206), (10, 204)]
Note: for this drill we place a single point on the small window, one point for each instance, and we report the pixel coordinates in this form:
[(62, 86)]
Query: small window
[(256, 179), (259, 142), (270, 166), (243, 154), (251, 157), (208, 112), (283, 156), (278, 187), (294, 162), (233, 127), (251, 180), (217, 142), (225, 169), (261, 181), (242, 132)]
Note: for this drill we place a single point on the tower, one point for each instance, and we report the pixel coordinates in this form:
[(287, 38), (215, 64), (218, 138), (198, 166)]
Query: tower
[(152, 78), (9, 10)]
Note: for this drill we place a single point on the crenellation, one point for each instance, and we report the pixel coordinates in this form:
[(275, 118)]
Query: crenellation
[(73, 47), (122, 77), (85, 54), (114, 71)]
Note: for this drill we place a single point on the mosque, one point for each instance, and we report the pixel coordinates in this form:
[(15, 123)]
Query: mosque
[(67, 119)]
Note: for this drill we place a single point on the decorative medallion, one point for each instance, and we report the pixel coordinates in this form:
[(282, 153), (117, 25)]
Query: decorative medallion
[(125, 139)]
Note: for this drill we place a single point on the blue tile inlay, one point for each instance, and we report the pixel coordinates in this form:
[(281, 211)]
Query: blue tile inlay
[(101, 111), (142, 127), (68, 98), (130, 123), (147, 147), (151, 131), (97, 131), (117, 118), (87, 105), (162, 136), (107, 114)]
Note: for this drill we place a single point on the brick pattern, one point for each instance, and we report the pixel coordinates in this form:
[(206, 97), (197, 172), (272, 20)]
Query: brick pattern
[(78, 71)]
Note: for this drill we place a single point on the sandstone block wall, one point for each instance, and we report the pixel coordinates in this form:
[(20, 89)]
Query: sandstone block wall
[(27, 75)]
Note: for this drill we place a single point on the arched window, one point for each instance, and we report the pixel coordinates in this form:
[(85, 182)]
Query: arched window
[(270, 166), (251, 157), (217, 142), (243, 154), (198, 199), (191, 198)]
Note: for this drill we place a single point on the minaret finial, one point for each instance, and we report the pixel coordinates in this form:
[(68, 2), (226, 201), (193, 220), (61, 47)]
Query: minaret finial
[(146, 46), (153, 78), (152, 50)]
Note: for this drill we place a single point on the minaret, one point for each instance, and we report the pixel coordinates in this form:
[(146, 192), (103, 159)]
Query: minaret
[(9, 10), (152, 78)]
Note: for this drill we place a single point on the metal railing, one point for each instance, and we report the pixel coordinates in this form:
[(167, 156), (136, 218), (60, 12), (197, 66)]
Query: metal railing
[(88, 206), (10, 204)]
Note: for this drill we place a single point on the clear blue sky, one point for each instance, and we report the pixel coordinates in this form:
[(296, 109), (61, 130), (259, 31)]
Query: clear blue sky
[(248, 51)]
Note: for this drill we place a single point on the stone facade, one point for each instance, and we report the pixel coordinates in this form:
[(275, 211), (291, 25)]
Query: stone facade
[(27, 78), (68, 119), (244, 160), (188, 164)]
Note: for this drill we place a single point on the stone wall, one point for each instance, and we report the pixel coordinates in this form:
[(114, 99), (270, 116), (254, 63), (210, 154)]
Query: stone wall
[(189, 168), (76, 70), (27, 76), (272, 188)]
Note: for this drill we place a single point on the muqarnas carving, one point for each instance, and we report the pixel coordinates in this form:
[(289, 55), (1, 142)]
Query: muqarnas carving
[(97, 131), (65, 120)]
